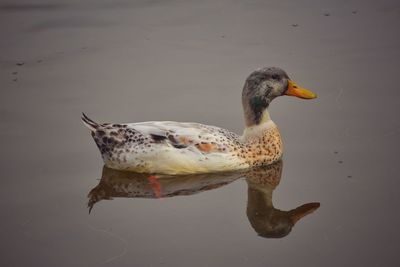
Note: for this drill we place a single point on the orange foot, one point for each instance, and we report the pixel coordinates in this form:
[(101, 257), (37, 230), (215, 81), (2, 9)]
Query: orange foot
[(155, 185)]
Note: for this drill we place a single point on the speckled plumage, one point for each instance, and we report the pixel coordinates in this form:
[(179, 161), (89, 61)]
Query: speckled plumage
[(179, 148)]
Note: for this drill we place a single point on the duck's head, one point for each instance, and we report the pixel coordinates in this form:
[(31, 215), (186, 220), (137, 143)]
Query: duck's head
[(264, 85)]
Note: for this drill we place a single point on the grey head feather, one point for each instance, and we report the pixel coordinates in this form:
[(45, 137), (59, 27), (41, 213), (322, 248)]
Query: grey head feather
[(260, 88)]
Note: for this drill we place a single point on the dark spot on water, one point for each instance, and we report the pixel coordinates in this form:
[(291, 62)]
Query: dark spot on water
[(335, 152), (15, 73), (340, 161), (39, 61), (295, 25), (354, 12), (349, 176), (20, 63), (327, 14), (15, 79)]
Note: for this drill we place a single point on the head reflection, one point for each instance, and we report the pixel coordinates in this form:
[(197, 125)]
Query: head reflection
[(265, 219)]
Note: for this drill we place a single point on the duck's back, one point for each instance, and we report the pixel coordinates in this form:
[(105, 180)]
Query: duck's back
[(167, 147)]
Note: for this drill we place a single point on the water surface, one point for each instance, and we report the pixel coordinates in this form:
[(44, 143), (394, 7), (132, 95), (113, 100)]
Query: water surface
[(129, 61)]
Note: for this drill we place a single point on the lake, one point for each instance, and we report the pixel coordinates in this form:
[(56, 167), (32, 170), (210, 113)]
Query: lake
[(332, 201)]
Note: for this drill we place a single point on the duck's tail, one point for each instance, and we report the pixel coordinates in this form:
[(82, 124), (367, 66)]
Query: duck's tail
[(93, 126)]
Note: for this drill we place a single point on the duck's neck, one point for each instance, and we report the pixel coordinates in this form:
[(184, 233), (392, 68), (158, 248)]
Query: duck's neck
[(255, 130), (263, 118), (255, 109)]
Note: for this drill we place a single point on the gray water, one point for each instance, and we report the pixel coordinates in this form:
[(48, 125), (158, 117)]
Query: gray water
[(130, 61)]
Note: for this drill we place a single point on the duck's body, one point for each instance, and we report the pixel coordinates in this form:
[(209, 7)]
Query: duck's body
[(179, 148)]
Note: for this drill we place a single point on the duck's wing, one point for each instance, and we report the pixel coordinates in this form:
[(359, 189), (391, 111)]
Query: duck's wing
[(166, 146), (204, 138), (194, 136), (175, 147)]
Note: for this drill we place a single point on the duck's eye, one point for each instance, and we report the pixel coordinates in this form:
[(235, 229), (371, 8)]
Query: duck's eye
[(275, 77)]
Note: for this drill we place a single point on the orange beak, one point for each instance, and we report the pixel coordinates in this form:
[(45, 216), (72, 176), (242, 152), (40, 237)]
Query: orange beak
[(295, 90)]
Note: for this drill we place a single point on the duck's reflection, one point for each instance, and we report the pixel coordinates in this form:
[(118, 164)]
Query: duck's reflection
[(266, 220)]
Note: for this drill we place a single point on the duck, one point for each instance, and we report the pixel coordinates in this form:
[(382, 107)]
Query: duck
[(170, 147), (266, 220)]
